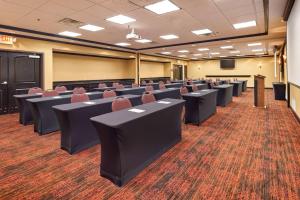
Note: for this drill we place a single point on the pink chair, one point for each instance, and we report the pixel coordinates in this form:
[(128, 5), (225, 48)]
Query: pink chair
[(160, 82), (149, 88), (50, 93), (134, 85), (120, 103), (120, 86), (75, 98), (60, 89), (148, 97), (194, 88), (79, 90), (102, 85), (183, 90), (35, 90), (168, 82), (143, 82), (162, 86), (109, 93), (115, 84), (151, 81)]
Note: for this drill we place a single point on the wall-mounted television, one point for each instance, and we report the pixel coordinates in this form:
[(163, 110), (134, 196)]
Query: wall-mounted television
[(227, 63)]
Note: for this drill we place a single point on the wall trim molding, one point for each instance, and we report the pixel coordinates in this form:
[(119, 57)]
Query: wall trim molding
[(89, 55), (293, 84), (212, 76), (295, 115), (288, 9)]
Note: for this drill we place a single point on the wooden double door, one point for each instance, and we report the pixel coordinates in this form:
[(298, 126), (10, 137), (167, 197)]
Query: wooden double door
[(18, 73)]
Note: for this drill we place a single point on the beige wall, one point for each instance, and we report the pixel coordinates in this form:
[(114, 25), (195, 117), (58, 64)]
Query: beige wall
[(244, 66), (152, 69), (295, 99), (73, 67)]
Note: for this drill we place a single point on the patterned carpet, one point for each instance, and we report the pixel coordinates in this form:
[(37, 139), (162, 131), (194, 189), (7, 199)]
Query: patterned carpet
[(240, 153)]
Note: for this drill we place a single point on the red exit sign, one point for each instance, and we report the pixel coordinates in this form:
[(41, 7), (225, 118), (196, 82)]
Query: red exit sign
[(5, 39)]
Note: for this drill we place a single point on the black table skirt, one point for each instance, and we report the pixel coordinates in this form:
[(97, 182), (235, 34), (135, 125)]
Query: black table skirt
[(199, 107), (174, 85), (45, 120), (237, 88), (224, 94), (131, 141), (154, 85), (244, 87), (173, 93), (25, 116), (77, 131), (135, 91), (200, 86)]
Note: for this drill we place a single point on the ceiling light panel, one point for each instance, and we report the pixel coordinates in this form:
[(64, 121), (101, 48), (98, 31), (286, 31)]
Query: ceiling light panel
[(124, 44), (203, 49), (69, 34), (166, 53), (226, 47), (121, 19), (162, 7), (202, 32), (257, 50), (244, 24), (169, 37), (254, 44), (90, 27), (183, 51), (143, 41)]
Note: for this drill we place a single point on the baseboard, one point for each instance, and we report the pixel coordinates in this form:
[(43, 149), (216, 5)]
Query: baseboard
[(295, 114)]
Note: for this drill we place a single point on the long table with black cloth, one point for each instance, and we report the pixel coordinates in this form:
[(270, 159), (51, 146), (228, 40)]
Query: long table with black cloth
[(174, 85), (200, 86), (43, 115), (224, 94), (154, 85), (237, 88), (196, 82), (109, 88), (77, 131), (200, 105), (136, 91), (25, 116), (133, 138), (173, 93), (244, 87)]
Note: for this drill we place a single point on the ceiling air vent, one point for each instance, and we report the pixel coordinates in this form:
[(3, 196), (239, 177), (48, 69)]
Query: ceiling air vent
[(70, 22)]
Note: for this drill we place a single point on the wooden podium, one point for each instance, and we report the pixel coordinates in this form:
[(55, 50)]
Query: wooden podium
[(259, 91)]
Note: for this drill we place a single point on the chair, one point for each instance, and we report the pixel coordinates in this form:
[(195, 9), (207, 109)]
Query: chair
[(134, 85), (160, 82), (168, 82), (148, 97), (60, 89), (115, 84), (194, 88), (183, 90), (79, 90), (75, 98), (119, 86), (143, 82), (109, 93), (151, 82), (120, 103), (50, 93), (102, 85), (162, 86), (149, 88), (35, 90)]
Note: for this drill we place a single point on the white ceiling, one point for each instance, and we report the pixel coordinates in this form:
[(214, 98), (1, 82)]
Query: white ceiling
[(217, 15)]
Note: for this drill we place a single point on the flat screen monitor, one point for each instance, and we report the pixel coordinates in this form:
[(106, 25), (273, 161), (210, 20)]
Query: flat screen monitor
[(227, 63)]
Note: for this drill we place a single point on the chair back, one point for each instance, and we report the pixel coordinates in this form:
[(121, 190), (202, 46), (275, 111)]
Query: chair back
[(50, 93), (134, 85), (162, 86), (194, 88), (149, 88), (115, 84), (183, 90), (60, 88), (120, 103), (75, 98), (120, 86), (148, 97), (168, 82), (109, 93), (79, 90), (102, 85), (151, 81), (144, 82), (35, 90), (160, 82)]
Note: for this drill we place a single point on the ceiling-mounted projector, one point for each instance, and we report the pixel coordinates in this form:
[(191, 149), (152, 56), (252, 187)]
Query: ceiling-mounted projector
[(132, 35)]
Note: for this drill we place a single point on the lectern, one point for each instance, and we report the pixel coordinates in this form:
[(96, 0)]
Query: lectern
[(259, 91)]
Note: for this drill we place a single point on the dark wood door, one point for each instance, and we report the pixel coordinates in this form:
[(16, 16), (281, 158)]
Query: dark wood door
[(3, 82), (21, 72)]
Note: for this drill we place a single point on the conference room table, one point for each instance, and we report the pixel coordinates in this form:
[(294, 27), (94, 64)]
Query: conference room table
[(136, 91), (133, 138), (224, 94), (44, 118), (200, 86), (200, 105), (77, 131), (177, 81), (154, 85), (25, 116), (109, 88), (195, 82), (173, 85), (237, 88), (244, 87), (173, 93)]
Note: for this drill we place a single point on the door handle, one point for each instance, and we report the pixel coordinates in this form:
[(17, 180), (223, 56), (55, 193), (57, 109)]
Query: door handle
[(4, 83)]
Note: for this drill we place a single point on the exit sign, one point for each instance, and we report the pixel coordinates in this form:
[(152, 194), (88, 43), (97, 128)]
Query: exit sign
[(5, 39)]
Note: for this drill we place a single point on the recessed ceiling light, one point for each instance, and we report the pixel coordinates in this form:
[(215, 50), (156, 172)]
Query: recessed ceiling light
[(143, 41), (215, 53), (169, 37), (223, 56), (194, 58), (69, 34), (182, 56), (123, 44), (197, 54), (121, 19), (226, 47), (166, 53), (203, 49), (257, 50), (202, 32), (162, 7), (244, 24), (254, 44), (90, 27), (234, 51), (183, 51)]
